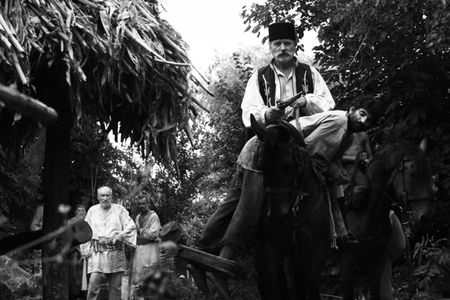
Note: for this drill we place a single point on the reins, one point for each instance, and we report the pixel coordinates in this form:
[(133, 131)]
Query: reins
[(297, 186), (296, 190), (406, 231)]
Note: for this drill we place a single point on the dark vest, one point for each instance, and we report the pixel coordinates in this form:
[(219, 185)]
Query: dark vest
[(269, 75)]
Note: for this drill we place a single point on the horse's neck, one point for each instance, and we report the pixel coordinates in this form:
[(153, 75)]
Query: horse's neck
[(313, 189), (379, 198)]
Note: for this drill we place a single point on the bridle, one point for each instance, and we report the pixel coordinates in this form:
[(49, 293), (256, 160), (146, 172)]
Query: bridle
[(296, 190), (406, 214), (403, 203)]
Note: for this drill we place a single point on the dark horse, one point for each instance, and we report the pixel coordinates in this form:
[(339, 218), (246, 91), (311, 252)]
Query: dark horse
[(294, 237), (397, 176)]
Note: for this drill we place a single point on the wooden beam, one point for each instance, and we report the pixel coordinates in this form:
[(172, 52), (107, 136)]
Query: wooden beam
[(26, 105), (211, 262)]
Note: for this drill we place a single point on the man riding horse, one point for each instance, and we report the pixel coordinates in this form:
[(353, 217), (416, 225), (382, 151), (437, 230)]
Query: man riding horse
[(284, 77), (236, 220), (223, 231)]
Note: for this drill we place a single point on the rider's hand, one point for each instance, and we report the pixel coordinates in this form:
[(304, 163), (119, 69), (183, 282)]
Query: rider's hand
[(300, 102), (273, 114)]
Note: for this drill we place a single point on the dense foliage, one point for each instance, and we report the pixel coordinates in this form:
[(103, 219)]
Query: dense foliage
[(19, 194), (222, 144), (96, 162)]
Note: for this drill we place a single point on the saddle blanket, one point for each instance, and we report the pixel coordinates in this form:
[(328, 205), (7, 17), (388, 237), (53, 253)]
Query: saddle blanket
[(249, 156)]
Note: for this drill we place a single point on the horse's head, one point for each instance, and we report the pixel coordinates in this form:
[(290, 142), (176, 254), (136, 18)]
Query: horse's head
[(410, 178), (281, 159)]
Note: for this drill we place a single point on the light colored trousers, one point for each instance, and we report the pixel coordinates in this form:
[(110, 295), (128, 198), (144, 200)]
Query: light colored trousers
[(114, 285), (145, 257)]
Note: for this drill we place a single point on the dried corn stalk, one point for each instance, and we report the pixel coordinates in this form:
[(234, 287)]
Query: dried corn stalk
[(125, 65)]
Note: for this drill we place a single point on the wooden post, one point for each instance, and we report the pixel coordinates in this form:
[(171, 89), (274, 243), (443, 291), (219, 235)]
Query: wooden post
[(51, 85)]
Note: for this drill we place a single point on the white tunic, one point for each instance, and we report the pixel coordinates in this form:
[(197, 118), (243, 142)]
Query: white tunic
[(104, 224), (252, 103)]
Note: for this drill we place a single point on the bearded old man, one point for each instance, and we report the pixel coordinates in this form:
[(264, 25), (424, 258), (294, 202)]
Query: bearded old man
[(111, 226)]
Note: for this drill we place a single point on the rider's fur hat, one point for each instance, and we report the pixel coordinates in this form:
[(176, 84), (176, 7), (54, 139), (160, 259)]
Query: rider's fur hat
[(278, 31)]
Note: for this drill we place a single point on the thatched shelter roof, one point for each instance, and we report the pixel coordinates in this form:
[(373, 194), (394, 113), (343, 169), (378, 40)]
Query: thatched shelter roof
[(125, 65)]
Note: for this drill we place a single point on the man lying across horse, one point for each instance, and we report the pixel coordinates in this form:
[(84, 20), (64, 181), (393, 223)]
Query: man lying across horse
[(327, 135)]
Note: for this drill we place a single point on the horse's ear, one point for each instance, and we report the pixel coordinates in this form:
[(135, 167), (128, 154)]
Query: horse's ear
[(259, 130), (423, 145)]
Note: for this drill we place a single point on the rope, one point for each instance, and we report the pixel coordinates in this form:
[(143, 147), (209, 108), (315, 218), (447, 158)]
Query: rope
[(332, 222), (408, 250)]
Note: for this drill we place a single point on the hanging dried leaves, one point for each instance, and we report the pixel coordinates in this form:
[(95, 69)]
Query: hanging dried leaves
[(125, 65)]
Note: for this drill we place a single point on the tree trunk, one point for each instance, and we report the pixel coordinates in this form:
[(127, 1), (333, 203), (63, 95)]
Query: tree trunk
[(52, 88)]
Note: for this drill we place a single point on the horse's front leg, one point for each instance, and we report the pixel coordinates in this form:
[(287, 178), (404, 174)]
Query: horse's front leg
[(269, 266), (376, 268), (349, 275), (289, 272), (317, 257)]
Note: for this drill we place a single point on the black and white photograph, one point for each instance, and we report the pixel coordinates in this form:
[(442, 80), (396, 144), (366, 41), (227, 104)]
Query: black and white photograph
[(224, 150)]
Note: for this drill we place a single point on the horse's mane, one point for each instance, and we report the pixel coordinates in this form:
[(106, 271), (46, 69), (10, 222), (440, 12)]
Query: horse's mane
[(284, 136)]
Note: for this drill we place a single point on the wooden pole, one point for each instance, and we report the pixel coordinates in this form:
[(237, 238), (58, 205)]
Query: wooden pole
[(26, 105), (50, 85)]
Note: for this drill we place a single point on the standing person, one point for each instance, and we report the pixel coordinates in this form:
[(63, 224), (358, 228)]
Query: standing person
[(36, 222), (359, 150), (360, 144), (77, 267), (111, 227), (281, 79), (147, 249), (355, 161), (79, 214)]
